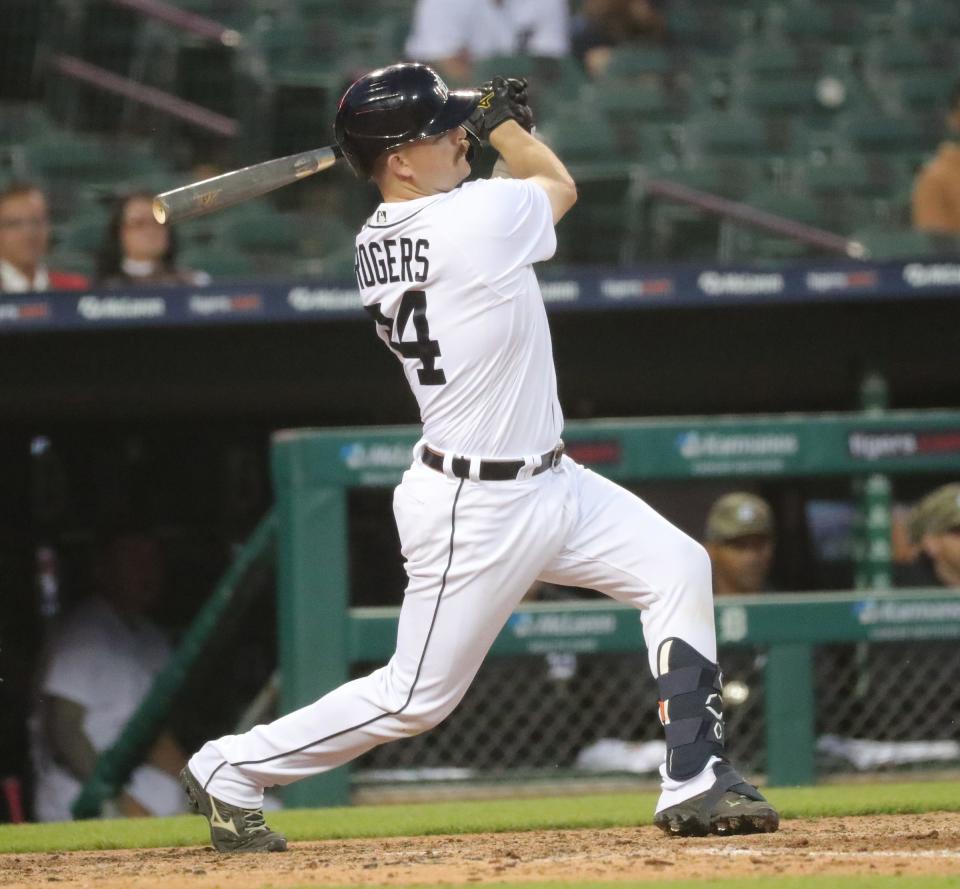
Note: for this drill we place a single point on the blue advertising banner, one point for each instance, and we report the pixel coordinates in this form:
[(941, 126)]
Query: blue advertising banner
[(591, 289)]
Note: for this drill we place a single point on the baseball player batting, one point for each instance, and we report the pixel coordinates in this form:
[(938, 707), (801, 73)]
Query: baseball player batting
[(490, 503)]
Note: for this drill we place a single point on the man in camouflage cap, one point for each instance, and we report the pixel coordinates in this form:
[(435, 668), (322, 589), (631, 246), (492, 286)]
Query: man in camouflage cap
[(935, 527), (740, 541)]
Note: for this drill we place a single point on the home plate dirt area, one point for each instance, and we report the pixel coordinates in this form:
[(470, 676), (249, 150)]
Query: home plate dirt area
[(875, 844)]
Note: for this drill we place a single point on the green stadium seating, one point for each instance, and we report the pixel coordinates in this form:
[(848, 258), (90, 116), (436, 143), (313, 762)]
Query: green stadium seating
[(582, 138), (83, 235), (739, 241), (266, 233), (778, 97), (81, 263), (806, 22), (921, 91), (632, 61), (732, 104), (600, 210), (898, 54), (894, 243), (871, 134), (724, 135), (851, 176), (218, 261), (930, 18), (701, 27), (769, 60), (68, 156)]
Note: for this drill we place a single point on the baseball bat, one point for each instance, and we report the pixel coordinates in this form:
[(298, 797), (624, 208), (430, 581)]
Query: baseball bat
[(227, 189)]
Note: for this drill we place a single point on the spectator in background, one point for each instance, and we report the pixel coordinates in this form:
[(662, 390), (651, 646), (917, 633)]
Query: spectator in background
[(138, 250), (936, 191), (603, 24), (740, 541), (98, 666), (935, 528), (452, 34), (25, 241)]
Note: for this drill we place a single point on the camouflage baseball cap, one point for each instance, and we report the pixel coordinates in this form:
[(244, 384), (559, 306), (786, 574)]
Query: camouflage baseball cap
[(737, 515), (939, 511)]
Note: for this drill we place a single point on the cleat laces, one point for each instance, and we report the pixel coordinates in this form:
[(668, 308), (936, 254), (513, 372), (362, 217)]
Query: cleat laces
[(253, 821)]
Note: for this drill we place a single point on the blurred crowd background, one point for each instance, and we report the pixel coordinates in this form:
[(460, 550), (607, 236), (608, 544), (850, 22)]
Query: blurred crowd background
[(823, 112)]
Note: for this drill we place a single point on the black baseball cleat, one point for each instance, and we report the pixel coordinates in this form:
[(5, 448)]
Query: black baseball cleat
[(732, 806), (232, 828)]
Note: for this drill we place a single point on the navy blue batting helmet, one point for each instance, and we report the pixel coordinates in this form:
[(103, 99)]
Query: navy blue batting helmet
[(392, 106)]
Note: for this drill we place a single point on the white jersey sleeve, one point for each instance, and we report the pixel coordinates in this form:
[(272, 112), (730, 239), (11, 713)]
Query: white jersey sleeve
[(511, 224)]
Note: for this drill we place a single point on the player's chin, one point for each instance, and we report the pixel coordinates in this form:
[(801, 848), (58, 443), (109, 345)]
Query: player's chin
[(462, 168)]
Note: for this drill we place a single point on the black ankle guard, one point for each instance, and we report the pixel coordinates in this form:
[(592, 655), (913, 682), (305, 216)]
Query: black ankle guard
[(691, 708)]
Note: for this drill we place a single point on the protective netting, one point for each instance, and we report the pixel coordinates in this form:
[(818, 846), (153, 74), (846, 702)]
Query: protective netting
[(576, 713), (884, 706), (888, 705)]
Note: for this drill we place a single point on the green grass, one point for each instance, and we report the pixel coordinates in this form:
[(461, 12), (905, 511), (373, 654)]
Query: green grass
[(608, 810)]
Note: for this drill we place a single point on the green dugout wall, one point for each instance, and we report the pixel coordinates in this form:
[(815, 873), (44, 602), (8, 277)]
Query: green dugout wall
[(320, 636)]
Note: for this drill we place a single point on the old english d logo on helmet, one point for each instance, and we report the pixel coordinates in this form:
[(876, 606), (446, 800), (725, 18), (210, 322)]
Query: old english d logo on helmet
[(392, 106)]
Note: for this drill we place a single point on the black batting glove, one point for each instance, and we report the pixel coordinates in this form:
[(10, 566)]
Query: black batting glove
[(502, 99)]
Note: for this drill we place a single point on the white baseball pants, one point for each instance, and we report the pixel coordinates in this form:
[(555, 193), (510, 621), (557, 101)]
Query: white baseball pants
[(473, 549)]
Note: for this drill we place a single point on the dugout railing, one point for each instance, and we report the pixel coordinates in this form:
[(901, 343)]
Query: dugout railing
[(320, 636)]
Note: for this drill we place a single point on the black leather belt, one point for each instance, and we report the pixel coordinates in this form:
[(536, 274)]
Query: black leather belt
[(491, 470)]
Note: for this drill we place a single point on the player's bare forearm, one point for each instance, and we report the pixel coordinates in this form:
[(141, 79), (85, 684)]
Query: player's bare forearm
[(528, 158)]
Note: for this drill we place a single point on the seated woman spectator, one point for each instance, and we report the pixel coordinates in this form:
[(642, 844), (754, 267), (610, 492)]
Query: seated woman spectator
[(138, 250)]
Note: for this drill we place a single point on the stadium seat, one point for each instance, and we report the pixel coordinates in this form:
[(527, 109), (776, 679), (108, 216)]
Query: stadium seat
[(600, 210), (852, 175), (930, 18), (768, 60), (628, 102), (871, 134), (582, 138), (264, 233), (65, 156), (702, 27), (739, 241), (81, 263), (630, 61), (778, 97), (218, 261), (893, 243), (84, 235), (719, 134), (805, 22), (921, 91), (897, 54)]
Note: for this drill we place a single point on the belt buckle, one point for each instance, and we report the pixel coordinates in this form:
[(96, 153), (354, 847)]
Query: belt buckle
[(557, 456)]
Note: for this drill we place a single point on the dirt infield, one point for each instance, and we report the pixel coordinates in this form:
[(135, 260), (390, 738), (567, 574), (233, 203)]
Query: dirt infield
[(887, 844)]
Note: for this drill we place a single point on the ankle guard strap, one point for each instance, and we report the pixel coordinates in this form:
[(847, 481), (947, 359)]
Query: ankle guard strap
[(691, 708)]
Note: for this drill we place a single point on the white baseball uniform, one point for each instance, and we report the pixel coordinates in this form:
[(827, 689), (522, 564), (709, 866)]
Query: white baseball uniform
[(449, 279)]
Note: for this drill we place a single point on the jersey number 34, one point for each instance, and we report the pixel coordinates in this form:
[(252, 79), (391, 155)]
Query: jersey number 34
[(413, 303)]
